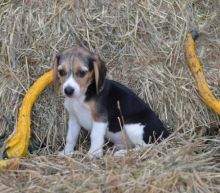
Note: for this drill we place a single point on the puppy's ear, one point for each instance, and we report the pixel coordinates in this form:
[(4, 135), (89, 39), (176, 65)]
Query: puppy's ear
[(56, 82), (99, 71)]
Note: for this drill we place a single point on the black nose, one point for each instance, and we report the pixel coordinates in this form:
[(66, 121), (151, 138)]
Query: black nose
[(69, 91)]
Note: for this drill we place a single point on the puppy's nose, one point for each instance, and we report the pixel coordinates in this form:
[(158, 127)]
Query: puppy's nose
[(69, 91)]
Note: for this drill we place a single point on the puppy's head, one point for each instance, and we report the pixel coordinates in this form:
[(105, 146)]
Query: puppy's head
[(74, 69)]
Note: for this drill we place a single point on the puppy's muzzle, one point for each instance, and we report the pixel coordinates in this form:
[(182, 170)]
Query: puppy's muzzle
[(69, 91)]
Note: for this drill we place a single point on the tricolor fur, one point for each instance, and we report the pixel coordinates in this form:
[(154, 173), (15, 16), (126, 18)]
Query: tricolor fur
[(105, 108)]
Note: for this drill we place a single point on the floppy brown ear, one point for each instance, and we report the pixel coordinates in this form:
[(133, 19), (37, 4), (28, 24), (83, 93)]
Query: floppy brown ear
[(99, 71), (56, 82)]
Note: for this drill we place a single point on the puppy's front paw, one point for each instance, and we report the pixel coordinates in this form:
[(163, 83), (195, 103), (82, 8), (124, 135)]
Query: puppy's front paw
[(65, 153), (121, 153), (95, 153)]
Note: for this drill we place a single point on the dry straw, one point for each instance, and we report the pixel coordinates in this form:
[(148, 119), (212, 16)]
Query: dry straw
[(142, 44)]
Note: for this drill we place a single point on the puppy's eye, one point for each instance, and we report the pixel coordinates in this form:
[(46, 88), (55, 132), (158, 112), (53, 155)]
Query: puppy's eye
[(62, 72), (81, 73)]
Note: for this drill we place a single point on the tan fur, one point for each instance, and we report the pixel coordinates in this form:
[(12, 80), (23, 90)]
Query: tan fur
[(77, 67), (62, 79), (72, 59), (84, 82), (92, 106), (96, 71), (100, 72), (64, 67)]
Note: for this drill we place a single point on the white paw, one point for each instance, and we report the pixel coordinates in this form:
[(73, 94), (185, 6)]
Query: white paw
[(95, 153), (65, 153), (121, 153)]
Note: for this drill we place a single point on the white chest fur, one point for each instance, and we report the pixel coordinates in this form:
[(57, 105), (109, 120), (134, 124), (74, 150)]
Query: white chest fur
[(80, 111), (77, 108)]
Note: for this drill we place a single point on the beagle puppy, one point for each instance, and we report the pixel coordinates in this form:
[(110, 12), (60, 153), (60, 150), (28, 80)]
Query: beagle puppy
[(105, 108)]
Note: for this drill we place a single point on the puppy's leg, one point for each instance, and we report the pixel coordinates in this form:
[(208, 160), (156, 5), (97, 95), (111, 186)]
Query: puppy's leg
[(97, 139), (135, 133), (72, 136)]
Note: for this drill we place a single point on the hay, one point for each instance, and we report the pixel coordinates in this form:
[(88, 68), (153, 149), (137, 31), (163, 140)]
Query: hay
[(141, 41)]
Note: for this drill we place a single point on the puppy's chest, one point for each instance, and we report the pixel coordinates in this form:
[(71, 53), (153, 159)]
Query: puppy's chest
[(81, 111)]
